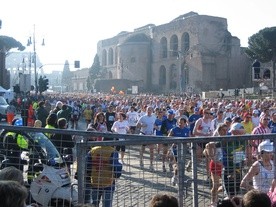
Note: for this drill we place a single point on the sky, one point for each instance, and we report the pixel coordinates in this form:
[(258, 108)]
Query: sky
[(72, 28)]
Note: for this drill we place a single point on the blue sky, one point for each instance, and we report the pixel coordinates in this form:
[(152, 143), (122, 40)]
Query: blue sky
[(72, 28)]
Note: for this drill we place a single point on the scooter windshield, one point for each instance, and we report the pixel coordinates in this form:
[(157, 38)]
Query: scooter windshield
[(49, 151)]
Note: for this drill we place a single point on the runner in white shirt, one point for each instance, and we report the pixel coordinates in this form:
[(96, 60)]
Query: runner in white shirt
[(132, 118), (146, 126), (121, 127)]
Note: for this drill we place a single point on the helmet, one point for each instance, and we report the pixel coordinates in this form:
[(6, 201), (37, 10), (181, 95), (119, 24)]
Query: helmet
[(18, 122)]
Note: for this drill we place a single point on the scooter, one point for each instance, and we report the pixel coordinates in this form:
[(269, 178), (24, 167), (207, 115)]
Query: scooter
[(50, 182), (52, 187)]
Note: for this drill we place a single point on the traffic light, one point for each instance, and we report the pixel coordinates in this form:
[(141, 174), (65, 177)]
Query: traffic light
[(77, 64), (46, 84), (256, 67), (43, 83)]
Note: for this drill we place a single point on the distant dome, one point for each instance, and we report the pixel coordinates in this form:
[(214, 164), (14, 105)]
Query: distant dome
[(122, 33), (138, 38)]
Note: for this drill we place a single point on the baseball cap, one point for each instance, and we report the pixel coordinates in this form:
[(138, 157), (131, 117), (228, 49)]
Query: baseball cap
[(171, 112), (236, 126), (255, 111), (236, 119), (196, 109), (227, 119), (266, 146)]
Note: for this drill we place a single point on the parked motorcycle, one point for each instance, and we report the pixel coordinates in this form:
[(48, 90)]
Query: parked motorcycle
[(46, 171)]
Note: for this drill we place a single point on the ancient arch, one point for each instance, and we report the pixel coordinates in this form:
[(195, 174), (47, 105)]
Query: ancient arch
[(164, 47), (173, 77), (185, 42), (162, 75), (110, 56), (174, 46), (104, 58)]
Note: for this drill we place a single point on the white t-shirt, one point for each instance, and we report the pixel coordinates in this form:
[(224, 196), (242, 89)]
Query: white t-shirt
[(149, 121), (263, 180), (120, 127), (255, 120), (133, 117)]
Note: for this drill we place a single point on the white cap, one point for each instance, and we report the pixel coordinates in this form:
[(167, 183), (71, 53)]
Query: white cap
[(255, 111), (266, 146)]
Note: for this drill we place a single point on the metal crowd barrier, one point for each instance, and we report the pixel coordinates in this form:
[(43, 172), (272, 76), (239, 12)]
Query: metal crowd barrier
[(137, 185)]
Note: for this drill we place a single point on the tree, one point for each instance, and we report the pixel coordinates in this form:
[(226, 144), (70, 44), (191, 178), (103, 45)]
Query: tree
[(66, 76), (95, 72), (6, 44), (262, 46)]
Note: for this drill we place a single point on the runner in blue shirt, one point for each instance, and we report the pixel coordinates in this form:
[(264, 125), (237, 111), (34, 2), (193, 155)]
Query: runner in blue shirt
[(180, 131)]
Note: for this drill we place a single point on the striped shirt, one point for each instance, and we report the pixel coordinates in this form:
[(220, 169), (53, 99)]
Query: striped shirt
[(259, 130)]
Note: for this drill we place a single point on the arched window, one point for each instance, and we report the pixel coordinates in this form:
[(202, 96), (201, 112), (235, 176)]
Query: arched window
[(110, 56), (266, 74), (173, 77), (104, 57), (164, 47), (185, 42), (174, 46), (162, 75)]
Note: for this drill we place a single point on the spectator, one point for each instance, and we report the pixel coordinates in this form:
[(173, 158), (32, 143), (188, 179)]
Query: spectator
[(12, 194), (262, 171), (255, 198), (51, 123), (163, 200), (12, 173), (102, 170), (64, 143), (37, 124), (42, 113)]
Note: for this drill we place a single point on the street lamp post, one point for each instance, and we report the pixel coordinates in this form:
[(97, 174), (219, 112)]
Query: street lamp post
[(34, 58)]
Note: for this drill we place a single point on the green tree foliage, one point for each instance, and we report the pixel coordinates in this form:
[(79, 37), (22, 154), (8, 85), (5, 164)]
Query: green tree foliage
[(7, 43), (95, 72), (262, 45)]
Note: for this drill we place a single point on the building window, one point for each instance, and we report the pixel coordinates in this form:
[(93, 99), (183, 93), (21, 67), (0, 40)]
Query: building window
[(173, 77), (110, 56), (104, 56), (162, 76), (174, 46), (185, 42), (266, 74), (164, 47)]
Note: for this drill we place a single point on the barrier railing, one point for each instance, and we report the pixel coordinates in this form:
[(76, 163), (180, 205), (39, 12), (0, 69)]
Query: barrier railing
[(137, 184)]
